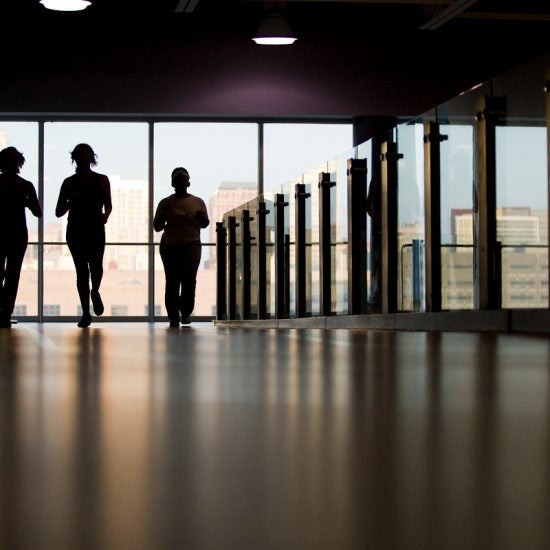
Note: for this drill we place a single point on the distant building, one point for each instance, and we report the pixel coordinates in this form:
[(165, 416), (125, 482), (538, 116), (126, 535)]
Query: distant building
[(229, 195)]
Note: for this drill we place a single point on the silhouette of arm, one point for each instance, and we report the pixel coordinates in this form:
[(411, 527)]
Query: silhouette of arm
[(32, 201), (107, 204), (202, 218), (159, 221), (63, 203)]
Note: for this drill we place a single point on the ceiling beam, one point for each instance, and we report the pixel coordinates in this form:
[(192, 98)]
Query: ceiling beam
[(412, 2), (502, 16), (448, 13), (186, 6)]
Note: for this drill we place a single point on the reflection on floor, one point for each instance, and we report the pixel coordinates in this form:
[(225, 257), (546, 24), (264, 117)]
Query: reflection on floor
[(135, 436)]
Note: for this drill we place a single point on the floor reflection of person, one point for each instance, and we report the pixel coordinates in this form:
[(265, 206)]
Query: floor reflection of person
[(180, 217), (16, 194), (86, 196)]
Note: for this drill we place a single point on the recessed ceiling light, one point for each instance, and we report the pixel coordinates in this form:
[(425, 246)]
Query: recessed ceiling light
[(274, 31), (65, 5)]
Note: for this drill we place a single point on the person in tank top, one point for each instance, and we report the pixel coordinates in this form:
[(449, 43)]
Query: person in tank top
[(86, 196)]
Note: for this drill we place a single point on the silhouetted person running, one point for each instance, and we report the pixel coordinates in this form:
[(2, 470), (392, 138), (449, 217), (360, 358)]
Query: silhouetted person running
[(16, 194), (87, 197), (181, 216)]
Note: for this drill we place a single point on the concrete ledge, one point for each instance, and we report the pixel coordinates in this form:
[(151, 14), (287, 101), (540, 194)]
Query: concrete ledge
[(530, 320), (534, 320)]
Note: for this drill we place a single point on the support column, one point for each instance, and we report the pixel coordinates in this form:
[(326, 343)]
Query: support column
[(432, 217), (486, 278), (357, 236)]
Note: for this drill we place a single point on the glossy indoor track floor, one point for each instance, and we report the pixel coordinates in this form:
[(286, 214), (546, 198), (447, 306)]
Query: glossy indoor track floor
[(135, 436)]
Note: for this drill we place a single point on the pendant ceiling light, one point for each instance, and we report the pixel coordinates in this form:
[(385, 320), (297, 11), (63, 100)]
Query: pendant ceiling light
[(274, 31), (65, 5)]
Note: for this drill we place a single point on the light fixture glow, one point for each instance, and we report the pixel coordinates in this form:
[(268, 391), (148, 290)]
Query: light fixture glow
[(65, 5), (274, 31), (274, 40)]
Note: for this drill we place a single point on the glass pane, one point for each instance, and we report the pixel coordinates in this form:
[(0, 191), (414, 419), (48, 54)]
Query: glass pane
[(222, 160), (26, 303), (269, 198), (313, 287), (122, 150), (124, 288), (205, 293), (338, 167), (457, 260), (24, 137), (237, 212), (289, 190), (457, 178), (253, 207), (522, 215), (291, 148), (411, 218)]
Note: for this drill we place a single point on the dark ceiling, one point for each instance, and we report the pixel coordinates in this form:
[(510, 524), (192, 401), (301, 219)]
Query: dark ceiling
[(367, 57)]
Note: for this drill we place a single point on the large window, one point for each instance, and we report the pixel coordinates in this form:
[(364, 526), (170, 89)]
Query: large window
[(292, 149), (522, 215), (411, 218), (222, 159), (122, 151), (457, 239), (24, 137)]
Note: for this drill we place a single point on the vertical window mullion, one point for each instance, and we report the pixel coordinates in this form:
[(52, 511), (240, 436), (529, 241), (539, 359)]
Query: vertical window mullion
[(151, 239), (40, 247)]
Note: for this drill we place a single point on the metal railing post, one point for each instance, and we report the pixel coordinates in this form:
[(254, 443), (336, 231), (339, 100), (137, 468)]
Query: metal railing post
[(221, 271), (325, 185), (357, 236)]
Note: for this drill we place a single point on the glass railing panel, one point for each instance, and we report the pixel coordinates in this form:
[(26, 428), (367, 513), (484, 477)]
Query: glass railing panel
[(456, 118), (411, 295), (253, 207), (339, 232), (313, 292), (239, 261), (289, 190), (269, 199)]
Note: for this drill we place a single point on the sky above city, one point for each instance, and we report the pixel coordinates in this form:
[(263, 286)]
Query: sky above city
[(218, 152), (212, 152)]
